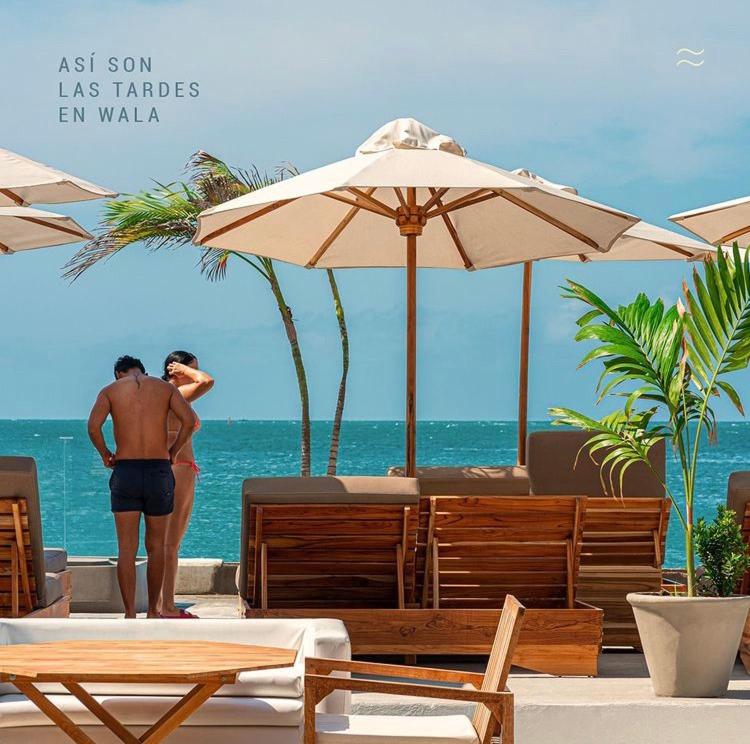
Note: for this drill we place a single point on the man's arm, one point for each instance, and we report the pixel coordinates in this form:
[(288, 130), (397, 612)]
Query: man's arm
[(184, 413), (97, 417)]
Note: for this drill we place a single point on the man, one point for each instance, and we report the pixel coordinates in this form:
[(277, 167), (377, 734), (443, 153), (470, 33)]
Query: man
[(142, 480)]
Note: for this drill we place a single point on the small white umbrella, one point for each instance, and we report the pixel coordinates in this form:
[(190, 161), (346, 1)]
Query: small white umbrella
[(23, 229), (24, 181), (725, 222), (641, 242), (408, 181)]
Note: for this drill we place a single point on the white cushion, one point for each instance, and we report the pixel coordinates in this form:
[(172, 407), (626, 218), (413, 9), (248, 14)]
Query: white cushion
[(333, 729), (17, 711)]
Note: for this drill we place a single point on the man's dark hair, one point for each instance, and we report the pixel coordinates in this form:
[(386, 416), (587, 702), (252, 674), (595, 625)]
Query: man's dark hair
[(126, 363)]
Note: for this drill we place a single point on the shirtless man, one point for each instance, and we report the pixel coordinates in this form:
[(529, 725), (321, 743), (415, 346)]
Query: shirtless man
[(142, 480)]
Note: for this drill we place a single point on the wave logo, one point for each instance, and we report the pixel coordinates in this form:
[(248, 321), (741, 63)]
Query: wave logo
[(686, 61)]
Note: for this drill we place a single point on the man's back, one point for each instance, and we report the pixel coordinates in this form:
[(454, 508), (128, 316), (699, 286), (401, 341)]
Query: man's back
[(139, 408)]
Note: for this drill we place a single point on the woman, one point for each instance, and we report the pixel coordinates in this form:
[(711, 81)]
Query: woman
[(181, 369)]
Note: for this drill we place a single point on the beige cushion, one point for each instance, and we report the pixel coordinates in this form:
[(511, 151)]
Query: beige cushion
[(394, 730), (55, 560), (471, 480), (738, 493), (553, 471), (53, 588), (18, 478), (330, 490), (16, 710)]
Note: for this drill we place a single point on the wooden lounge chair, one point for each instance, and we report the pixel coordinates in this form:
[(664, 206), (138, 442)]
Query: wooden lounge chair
[(33, 581), (623, 538), (493, 715), (324, 544), (738, 499), (510, 480)]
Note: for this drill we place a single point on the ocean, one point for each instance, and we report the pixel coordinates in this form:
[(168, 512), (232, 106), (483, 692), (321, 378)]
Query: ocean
[(75, 500)]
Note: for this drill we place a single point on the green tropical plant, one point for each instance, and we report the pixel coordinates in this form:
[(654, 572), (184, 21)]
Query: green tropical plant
[(668, 364), (167, 217), (722, 552)]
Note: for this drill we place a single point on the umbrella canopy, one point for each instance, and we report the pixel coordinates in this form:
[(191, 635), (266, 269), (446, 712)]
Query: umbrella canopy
[(24, 181), (22, 229), (719, 223), (641, 242), (408, 181)]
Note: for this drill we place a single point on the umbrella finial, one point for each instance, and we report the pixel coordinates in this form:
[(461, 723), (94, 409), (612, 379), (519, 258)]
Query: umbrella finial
[(408, 134)]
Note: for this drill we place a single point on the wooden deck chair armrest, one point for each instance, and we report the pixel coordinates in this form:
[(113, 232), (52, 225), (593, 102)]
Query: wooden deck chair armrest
[(318, 687), (326, 666)]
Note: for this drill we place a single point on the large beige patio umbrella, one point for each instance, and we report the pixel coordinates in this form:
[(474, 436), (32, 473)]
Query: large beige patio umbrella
[(410, 197), (641, 242), (23, 229), (24, 181), (725, 222)]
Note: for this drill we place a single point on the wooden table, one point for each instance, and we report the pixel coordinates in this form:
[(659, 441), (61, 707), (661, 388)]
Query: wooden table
[(205, 665)]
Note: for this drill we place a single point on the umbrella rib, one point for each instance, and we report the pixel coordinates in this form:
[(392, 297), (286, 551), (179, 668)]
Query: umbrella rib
[(549, 219), (52, 226), (355, 203), (12, 196), (373, 201), (437, 195), (5, 249), (401, 198), (463, 201), (734, 234), (244, 220), (676, 249), (450, 227), (328, 242)]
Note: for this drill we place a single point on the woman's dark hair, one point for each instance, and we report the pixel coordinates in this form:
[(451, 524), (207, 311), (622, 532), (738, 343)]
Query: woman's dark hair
[(181, 357)]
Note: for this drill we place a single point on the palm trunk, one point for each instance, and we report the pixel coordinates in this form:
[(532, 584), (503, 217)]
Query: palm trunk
[(333, 453), (299, 367)]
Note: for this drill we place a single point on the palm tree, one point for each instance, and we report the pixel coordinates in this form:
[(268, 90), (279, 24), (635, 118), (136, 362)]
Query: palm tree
[(167, 217)]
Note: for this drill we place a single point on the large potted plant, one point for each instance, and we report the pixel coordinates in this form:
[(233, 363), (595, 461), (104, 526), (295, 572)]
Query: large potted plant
[(667, 365)]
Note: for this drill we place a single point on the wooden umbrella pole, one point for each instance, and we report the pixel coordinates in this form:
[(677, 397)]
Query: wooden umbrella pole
[(410, 466), (523, 370), (410, 220)]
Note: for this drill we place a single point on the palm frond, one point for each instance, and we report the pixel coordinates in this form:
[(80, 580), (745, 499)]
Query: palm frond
[(718, 323)]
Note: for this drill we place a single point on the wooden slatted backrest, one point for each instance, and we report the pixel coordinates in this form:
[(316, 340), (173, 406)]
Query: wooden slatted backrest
[(484, 548), (18, 593), (498, 666), (625, 532), (329, 542)]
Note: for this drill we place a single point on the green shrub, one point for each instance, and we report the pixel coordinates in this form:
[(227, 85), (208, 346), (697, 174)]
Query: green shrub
[(722, 552)]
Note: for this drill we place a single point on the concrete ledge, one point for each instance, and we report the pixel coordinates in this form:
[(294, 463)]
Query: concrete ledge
[(612, 708)]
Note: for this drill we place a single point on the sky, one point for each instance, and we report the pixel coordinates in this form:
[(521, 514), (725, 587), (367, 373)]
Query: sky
[(583, 93)]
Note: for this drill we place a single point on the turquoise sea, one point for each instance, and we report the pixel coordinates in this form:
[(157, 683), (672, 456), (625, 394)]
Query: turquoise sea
[(75, 498)]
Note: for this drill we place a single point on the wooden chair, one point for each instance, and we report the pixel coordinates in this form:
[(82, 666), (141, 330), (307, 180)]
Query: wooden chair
[(494, 701), (26, 586), (328, 544), (623, 551)]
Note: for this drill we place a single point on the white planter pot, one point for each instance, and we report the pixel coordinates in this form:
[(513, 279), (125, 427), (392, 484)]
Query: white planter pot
[(690, 643)]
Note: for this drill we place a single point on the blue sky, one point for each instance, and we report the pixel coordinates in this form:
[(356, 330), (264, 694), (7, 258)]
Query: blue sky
[(584, 93)]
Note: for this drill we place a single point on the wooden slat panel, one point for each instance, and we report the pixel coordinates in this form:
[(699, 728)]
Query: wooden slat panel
[(24, 574), (552, 641), (339, 555)]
